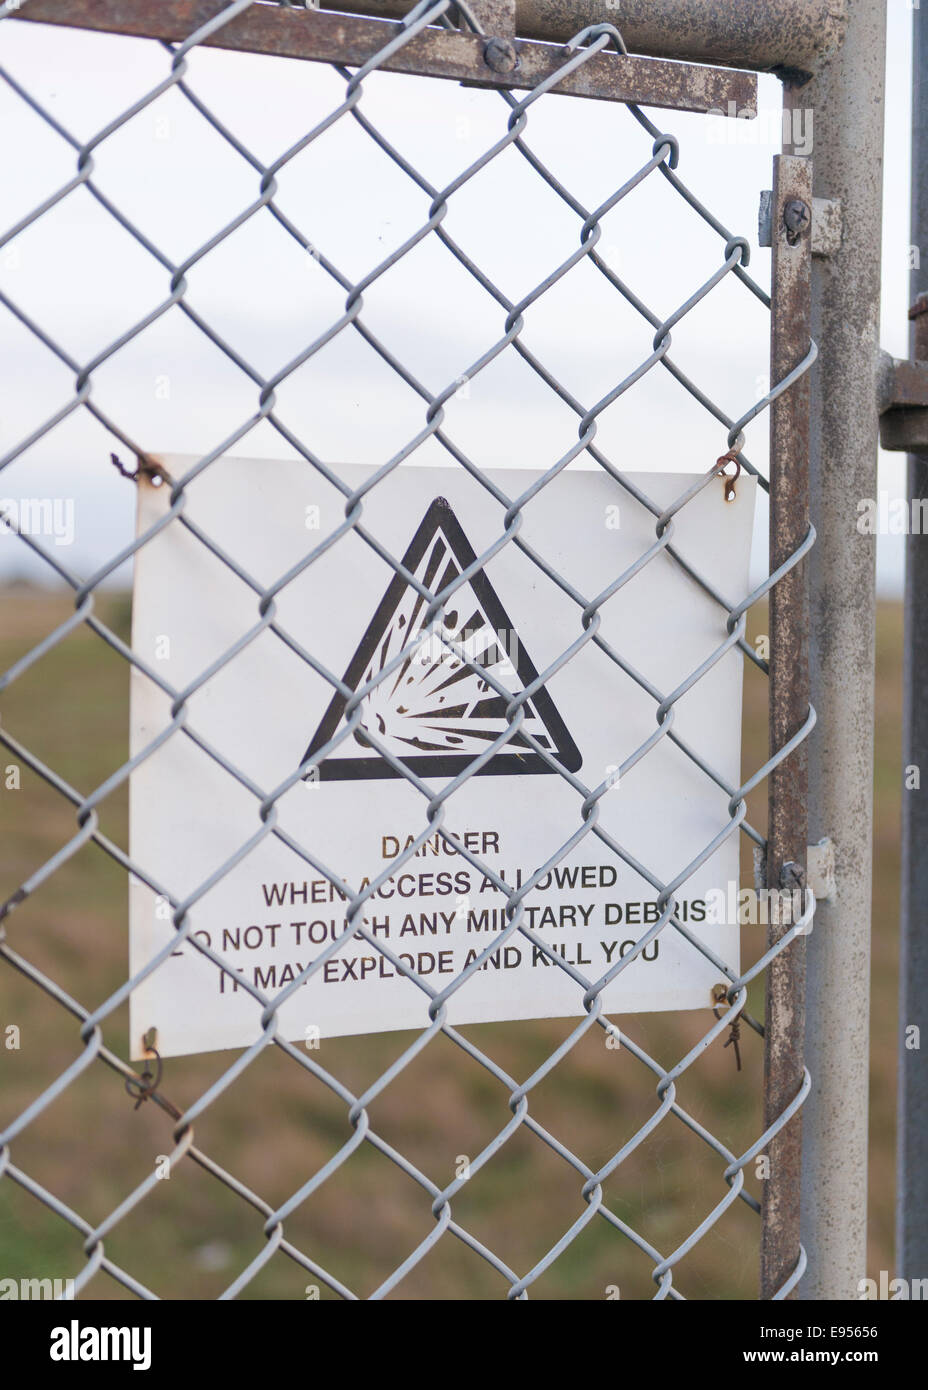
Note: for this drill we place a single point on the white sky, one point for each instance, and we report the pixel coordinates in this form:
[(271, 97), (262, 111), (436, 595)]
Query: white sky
[(86, 281)]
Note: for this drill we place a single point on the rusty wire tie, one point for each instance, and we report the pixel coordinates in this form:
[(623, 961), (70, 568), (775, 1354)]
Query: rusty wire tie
[(149, 1081), (719, 467), (720, 995), (144, 468)]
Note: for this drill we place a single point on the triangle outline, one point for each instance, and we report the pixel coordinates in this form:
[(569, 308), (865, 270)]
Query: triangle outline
[(439, 516)]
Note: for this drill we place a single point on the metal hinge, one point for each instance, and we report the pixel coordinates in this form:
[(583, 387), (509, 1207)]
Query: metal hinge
[(903, 391)]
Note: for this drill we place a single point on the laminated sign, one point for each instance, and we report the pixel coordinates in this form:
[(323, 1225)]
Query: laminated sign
[(263, 807)]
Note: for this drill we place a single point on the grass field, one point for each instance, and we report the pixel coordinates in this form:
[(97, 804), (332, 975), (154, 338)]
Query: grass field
[(276, 1125)]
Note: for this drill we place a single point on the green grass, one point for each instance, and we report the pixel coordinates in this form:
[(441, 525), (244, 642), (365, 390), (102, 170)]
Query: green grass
[(276, 1125)]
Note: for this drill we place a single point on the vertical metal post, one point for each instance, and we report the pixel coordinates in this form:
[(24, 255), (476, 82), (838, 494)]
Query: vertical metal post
[(787, 834), (845, 97), (912, 1155)]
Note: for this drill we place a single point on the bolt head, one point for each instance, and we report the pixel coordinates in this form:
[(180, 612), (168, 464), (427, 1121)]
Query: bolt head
[(500, 55), (797, 215)]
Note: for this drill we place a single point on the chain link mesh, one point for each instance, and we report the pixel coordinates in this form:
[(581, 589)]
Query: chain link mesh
[(587, 1179)]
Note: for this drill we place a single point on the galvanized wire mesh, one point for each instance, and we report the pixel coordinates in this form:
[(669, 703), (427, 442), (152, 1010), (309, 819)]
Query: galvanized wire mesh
[(661, 156)]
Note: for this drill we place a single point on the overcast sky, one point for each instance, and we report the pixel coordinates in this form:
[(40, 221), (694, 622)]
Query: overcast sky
[(86, 281)]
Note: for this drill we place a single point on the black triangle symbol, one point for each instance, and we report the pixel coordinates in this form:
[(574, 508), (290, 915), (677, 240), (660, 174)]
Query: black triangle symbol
[(436, 714)]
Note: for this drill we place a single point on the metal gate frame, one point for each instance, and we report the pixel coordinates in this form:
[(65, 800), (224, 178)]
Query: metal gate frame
[(824, 429)]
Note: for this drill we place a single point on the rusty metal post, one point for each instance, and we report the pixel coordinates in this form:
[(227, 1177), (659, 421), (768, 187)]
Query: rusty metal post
[(912, 1149), (846, 97), (912, 1142), (787, 834)]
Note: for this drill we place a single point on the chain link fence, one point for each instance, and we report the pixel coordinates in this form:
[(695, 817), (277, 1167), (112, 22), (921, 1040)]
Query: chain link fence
[(594, 1213)]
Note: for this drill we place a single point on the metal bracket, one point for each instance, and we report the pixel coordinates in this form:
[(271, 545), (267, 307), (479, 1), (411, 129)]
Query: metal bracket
[(496, 17), (820, 870), (903, 391), (322, 36), (826, 224)]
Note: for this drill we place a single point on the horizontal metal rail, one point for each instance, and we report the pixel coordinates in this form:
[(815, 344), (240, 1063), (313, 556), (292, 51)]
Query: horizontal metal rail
[(449, 53), (766, 35)]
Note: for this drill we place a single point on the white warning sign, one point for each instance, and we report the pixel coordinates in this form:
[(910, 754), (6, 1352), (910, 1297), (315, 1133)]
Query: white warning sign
[(270, 796)]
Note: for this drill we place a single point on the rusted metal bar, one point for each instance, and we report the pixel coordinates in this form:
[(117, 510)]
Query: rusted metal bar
[(320, 37), (904, 385), (787, 833), (789, 36), (903, 393)]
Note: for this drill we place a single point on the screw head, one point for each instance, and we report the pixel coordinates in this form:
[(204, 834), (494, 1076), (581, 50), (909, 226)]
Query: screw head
[(797, 215), (500, 55)]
